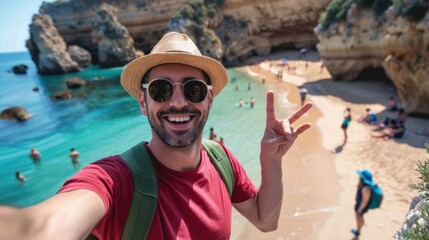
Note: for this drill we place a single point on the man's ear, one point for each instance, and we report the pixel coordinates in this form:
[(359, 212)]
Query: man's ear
[(210, 98), (142, 103)]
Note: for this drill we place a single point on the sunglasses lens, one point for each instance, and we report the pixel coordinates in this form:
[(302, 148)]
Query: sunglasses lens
[(195, 91), (160, 90)]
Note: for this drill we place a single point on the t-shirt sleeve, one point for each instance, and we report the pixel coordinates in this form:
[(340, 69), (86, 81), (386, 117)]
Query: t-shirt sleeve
[(244, 188), (112, 180)]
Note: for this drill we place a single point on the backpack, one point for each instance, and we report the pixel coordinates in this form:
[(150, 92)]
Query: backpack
[(145, 193), (376, 197)]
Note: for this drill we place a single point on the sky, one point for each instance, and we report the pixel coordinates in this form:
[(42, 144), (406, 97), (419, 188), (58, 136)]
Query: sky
[(15, 17)]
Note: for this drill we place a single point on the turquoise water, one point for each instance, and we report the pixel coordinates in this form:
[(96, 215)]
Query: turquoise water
[(101, 120)]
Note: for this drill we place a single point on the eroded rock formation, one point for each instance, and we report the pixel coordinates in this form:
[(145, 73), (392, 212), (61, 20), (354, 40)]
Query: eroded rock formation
[(389, 41), (243, 27), (115, 46), (48, 49), (80, 55)]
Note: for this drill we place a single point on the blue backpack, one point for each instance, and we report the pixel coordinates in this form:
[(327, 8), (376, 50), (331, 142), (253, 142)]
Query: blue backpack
[(376, 197)]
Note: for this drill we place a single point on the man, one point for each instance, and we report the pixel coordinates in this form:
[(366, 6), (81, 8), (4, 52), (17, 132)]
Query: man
[(193, 202)]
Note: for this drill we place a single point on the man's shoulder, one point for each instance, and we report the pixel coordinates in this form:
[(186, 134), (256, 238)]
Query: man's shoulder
[(111, 163)]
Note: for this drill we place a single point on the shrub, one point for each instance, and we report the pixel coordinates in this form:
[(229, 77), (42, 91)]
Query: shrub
[(420, 228), (364, 3), (335, 12), (414, 10)]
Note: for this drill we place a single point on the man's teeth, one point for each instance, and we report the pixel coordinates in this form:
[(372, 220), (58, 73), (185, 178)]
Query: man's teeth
[(179, 119)]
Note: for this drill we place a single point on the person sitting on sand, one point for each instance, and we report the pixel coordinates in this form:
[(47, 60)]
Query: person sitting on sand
[(387, 123), (35, 155), (370, 117), (402, 116), (395, 131), (20, 177), (392, 105)]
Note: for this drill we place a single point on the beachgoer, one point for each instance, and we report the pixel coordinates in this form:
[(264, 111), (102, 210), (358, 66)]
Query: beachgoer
[(248, 86), (345, 124), (402, 116), (193, 201), (302, 94), (21, 178), (74, 155), (240, 103), (392, 105), (395, 130), (263, 80), (369, 117), (213, 135), (387, 123), (363, 195), (252, 102), (35, 155), (221, 140)]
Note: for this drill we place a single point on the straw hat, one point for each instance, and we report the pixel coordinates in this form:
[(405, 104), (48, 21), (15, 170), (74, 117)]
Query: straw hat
[(366, 177), (173, 48)]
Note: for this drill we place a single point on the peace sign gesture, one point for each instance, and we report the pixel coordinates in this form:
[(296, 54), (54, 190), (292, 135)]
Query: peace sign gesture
[(279, 135)]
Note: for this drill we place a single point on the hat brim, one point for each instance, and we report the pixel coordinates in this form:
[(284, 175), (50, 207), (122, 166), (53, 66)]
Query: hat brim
[(366, 181), (133, 72)]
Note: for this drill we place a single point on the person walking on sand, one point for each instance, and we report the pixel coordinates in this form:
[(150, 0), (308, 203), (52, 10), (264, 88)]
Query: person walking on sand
[(35, 155), (363, 196), (193, 201), (347, 118), (302, 94), (74, 155)]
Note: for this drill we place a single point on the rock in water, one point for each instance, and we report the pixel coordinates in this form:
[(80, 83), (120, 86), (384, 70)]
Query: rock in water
[(15, 113), (48, 49)]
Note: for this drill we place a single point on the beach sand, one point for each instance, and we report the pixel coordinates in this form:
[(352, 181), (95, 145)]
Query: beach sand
[(320, 176)]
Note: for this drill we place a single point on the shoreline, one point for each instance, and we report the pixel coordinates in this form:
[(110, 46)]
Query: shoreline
[(324, 209)]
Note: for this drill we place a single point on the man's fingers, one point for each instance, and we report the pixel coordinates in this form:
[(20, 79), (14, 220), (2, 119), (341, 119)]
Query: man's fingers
[(301, 111), (271, 115), (302, 128)]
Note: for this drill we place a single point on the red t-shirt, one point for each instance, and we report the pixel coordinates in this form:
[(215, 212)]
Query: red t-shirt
[(191, 205)]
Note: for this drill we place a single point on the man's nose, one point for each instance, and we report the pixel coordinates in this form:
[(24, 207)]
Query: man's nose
[(178, 99)]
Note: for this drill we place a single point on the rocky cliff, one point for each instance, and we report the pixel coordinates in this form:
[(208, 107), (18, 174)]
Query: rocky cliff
[(114, 43), (241, 27), (354, 36), (47, 48)]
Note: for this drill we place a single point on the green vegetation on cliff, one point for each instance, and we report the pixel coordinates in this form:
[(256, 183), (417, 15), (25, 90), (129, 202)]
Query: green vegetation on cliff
[(336, 11), (420, 226), (198, 12)]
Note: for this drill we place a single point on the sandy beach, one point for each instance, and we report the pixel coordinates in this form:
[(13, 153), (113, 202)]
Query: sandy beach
[(320, 176)]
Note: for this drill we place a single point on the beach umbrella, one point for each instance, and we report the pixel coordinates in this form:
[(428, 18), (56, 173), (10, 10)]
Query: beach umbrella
[(284, 59), (303, 50)]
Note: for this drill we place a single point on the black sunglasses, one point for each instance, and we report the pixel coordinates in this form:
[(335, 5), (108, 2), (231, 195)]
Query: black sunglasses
[(161, 90)]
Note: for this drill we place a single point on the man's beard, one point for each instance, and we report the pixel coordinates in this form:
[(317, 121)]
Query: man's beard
[(173, 141)]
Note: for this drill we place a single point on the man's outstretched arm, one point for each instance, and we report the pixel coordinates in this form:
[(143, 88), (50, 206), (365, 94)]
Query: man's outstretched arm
[(264, 210), (69, 215)]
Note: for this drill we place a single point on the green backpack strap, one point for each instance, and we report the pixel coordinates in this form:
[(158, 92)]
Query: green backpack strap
[(221, 161), (145, 193)]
